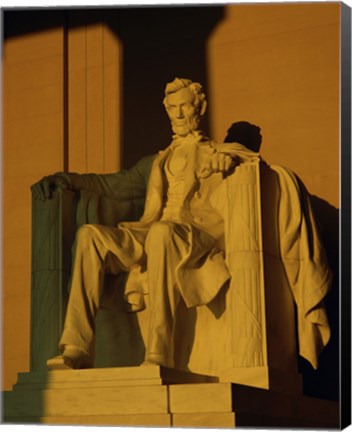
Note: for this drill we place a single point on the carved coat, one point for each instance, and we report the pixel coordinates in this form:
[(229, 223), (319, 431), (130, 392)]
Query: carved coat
[(289, 237), (203, 270), (305, 262)]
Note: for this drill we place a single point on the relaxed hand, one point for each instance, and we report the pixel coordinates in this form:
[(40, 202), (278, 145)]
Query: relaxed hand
[(42, 190)]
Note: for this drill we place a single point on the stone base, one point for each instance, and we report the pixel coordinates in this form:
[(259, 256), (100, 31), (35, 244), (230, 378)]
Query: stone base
[(157, 396), (250, 406), (265, 378)]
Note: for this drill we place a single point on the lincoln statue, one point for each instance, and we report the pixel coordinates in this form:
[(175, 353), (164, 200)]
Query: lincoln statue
[(178, 249)]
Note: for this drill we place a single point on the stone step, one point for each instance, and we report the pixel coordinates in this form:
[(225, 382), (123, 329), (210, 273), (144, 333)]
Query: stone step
[(107, 377), (147, 399), (202, 420), (232, 420), (81, 384), (131, 420), (104, 392), (98, 400), (146, 396), (189, 420)]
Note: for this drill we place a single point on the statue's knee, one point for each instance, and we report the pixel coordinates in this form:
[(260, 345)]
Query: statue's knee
[(162, 229), (85, 234), (159, 234)]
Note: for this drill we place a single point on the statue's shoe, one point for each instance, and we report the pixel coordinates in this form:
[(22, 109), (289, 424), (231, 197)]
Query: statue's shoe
[(157, 359), (149, 363), (70, 359), (60, 363)]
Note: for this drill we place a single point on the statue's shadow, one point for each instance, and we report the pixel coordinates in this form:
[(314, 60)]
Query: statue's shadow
[(246, 134)]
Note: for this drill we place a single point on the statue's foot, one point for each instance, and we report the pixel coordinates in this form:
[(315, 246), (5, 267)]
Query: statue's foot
[(71, 358), (158, 360), (59, 363), (149, 363)]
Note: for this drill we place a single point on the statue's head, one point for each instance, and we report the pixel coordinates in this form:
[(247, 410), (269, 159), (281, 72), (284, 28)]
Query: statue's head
[(185, 105)]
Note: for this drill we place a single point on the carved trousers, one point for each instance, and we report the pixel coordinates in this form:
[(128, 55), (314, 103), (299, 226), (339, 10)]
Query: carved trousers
[(98, 250)]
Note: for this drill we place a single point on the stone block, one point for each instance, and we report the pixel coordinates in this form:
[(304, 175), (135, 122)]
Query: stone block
[(201, 398), (119, 376), (154, 420), (101, 401), (271, 408), (33, 74), (265, 378), (204, 420), (30, 103), (138, 396)]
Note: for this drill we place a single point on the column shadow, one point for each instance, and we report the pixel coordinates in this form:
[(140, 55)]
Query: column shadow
[(159, 44)]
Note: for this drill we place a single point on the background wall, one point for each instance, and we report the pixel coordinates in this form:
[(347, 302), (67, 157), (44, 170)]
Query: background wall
[(33, 140), (83, 92), (277, 67)]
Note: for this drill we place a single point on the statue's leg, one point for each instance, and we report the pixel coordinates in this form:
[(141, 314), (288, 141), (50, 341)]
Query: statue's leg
[(97, 250), (166, 244)]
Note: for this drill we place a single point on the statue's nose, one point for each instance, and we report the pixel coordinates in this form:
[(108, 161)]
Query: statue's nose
[(179, 112)]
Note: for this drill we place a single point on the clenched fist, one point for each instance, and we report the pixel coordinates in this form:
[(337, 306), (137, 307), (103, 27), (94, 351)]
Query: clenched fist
[(218, 162)]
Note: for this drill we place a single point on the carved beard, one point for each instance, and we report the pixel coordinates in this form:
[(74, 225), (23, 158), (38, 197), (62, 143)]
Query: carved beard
[(189, 125)]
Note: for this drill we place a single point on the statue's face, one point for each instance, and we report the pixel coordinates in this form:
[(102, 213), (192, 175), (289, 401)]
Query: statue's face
[(183, 113)]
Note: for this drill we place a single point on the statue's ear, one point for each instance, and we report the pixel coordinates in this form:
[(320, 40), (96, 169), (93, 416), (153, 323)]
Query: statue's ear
[(203, 108)]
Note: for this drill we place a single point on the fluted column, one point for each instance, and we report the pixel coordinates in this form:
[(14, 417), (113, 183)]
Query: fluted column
[(245, 261)]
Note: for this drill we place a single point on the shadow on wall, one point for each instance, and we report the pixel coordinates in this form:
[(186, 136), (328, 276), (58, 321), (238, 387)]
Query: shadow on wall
[(324, 382), (246, 134), (158, 44)]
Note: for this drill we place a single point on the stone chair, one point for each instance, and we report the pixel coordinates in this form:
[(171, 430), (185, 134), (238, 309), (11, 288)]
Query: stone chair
[(247, 334)]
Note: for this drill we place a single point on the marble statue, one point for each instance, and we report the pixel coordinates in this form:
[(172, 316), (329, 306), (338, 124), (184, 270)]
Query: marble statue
[(183, 245)]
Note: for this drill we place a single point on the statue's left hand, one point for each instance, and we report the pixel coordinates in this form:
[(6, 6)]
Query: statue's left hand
[(43, 188), (218, 162)]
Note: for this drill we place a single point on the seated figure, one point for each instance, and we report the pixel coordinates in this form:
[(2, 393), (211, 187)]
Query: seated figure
[(178, 245)]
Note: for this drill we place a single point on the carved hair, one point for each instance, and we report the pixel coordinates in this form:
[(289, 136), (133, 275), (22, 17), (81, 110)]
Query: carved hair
[(180, 83)]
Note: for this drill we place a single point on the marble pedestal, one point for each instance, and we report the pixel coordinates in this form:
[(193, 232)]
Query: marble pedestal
[(157, 396)]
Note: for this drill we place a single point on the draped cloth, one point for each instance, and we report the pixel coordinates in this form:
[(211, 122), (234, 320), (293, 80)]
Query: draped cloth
[(294, 241), (305, 263)]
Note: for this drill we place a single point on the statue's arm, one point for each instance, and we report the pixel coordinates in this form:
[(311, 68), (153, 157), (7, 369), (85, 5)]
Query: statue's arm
[(125, 184), (224, 158)]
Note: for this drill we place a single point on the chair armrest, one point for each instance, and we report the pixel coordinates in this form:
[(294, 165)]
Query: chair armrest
[(53, 230), (54, 224)]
